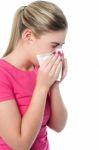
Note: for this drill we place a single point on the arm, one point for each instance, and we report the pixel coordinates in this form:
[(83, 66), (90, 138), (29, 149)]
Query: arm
[(19, 133), (58, 110)]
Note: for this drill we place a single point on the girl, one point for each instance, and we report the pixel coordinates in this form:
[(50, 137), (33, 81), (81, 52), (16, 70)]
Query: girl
[(30, 98)]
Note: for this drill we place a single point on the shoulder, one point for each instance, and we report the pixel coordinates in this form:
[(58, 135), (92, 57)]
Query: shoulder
[(4, 75), (6, 88), (5, 69)]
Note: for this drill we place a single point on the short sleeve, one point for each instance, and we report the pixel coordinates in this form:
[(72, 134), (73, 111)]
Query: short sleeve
[(6, 90)]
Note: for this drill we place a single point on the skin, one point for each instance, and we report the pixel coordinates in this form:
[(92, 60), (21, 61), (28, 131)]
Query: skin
[(24, 58), (29, 46)]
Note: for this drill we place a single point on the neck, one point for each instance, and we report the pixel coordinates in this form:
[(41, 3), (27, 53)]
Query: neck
[(19, 59)]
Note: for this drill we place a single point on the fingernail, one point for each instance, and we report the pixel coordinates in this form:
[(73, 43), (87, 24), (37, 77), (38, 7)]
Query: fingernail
[(61, 55), (54, 53), (59, 52)]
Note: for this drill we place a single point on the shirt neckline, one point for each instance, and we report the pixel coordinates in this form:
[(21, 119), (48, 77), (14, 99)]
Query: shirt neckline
[(14, 67)]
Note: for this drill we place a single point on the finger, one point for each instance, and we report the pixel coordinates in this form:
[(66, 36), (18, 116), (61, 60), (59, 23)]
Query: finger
[(64, 68), (65, 63), (57, 71), (46, 62), (54, 67), (53, 61)]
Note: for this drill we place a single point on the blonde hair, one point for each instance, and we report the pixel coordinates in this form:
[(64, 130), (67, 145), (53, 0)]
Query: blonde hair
[(40, 17)]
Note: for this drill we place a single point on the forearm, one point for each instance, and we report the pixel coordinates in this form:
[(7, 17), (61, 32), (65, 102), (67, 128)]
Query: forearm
[(58, 110), (33, 117)]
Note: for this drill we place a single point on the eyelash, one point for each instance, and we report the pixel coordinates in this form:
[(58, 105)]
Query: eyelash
[(54, 46)]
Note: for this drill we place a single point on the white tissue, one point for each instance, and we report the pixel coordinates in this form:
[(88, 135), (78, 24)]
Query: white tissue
[(43, 57)]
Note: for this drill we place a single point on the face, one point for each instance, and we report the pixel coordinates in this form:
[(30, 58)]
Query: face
[(48, 42)]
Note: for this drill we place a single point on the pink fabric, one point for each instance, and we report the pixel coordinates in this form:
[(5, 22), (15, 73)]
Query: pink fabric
[(19, 85)]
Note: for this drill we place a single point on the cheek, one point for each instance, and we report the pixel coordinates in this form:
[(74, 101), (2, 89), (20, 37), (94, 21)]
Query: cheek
[(43, 50)]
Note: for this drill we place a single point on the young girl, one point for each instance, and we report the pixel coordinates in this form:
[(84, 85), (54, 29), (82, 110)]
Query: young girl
[(30, 98)]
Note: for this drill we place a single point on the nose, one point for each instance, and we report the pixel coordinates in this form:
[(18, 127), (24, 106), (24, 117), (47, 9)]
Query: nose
[(59, 51)]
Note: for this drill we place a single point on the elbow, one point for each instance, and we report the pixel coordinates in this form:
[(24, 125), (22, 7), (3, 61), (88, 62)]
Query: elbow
[(62, 126), (21, 145), (59, 127), (22, 148), (58, 130)]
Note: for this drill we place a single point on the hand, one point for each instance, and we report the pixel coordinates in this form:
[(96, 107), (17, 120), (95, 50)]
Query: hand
[(64, 68), (64, 72), (49, 71)]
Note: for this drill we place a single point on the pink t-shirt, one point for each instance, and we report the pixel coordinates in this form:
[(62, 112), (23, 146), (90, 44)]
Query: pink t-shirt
[(19, 85)]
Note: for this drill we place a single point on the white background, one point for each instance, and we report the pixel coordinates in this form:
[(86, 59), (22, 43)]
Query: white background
[(80, 89)]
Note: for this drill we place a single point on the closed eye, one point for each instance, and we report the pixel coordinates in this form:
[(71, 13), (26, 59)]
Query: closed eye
[(54, 46), (57, 45)]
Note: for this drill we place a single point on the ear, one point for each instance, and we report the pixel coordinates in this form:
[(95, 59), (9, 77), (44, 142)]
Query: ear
[(27, 35)]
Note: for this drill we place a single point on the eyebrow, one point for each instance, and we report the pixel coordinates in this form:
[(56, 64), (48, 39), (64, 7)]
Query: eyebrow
[(57, 43)]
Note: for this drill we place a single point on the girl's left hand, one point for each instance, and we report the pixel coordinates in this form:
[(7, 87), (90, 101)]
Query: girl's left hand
[(64, 71), (64, 68)]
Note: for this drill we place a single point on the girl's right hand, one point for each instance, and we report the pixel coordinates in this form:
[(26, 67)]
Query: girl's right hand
[(49, 71)]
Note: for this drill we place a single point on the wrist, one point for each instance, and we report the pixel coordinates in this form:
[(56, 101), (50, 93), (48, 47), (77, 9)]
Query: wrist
[(42, 88), (55, 85)]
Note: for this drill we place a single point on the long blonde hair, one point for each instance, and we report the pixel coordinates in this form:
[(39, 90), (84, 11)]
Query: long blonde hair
[(40, 17)]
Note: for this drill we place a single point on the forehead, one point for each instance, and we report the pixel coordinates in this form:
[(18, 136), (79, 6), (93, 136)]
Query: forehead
[(54, 36)]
